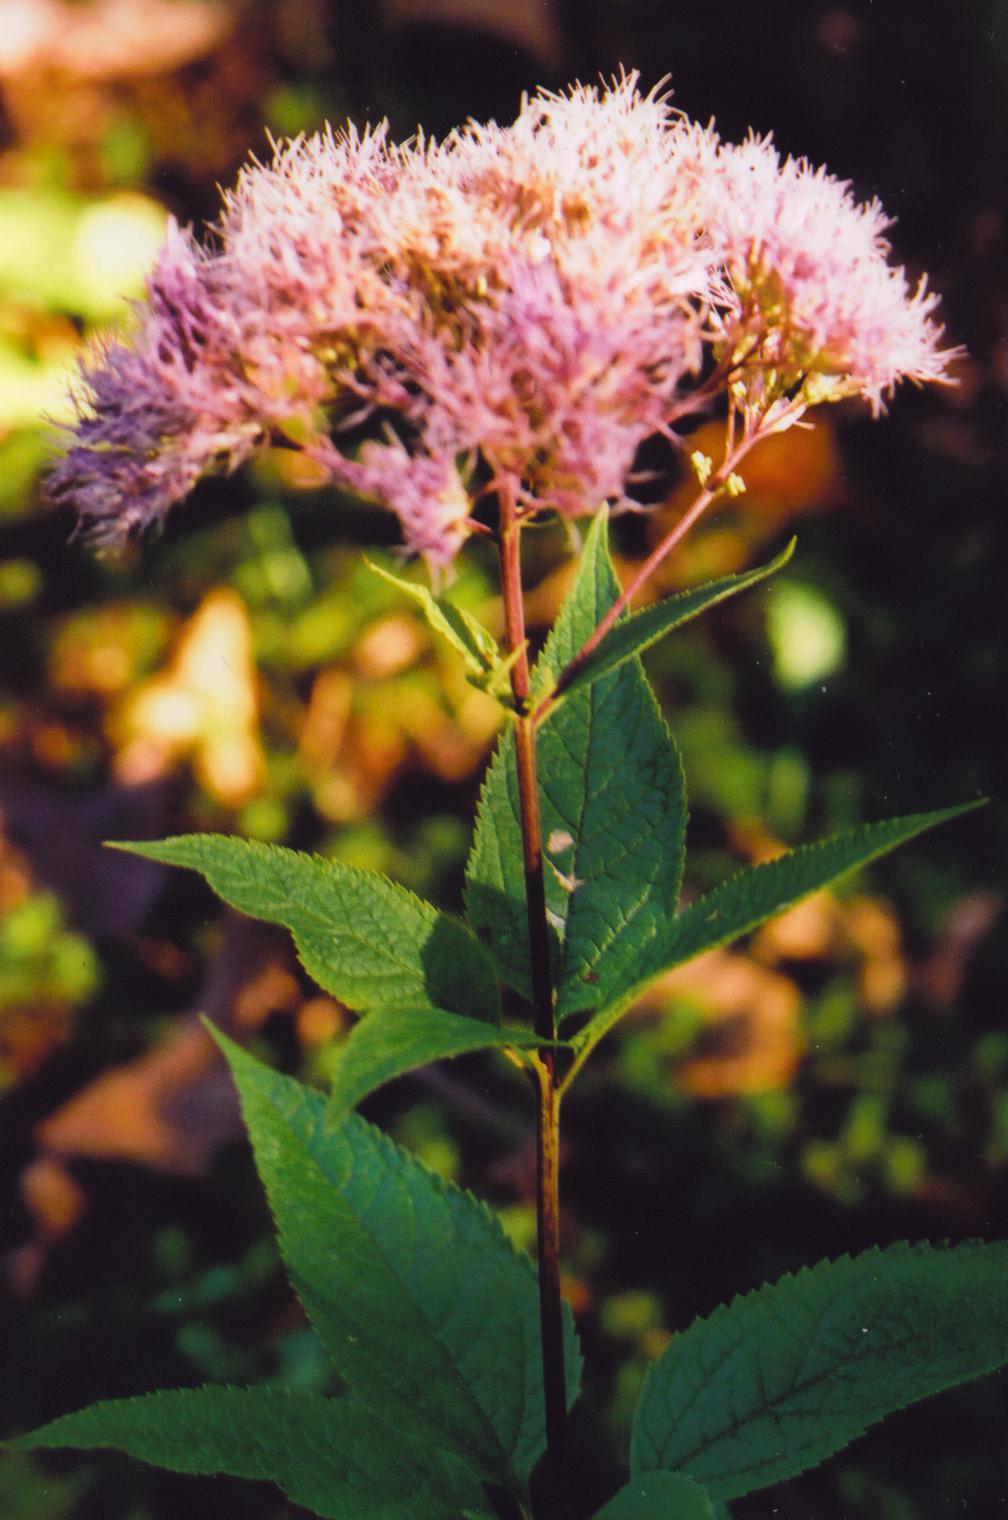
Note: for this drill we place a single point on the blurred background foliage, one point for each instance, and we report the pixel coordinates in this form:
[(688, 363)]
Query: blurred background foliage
[(841, 1079)]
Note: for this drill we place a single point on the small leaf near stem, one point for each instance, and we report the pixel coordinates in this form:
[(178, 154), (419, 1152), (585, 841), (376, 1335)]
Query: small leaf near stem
[(547, 1125), (719, 485)]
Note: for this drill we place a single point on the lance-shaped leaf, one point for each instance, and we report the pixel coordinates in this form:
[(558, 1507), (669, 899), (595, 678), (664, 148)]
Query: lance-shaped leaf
[(428, 1312), (638, 632), (775, 1382), (465, 633), (387, 1045), (613, 807), (369, 942), (659, 1496), (331, 1455), (740, 904)]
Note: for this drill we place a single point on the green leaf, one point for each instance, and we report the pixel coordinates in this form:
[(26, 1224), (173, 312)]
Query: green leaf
[(388, 1044), (466, 634), (780, 1379), (372, 944), (330, 1455), (613, 808), (428, 1312), (658, 1496), (747, 900), (642, 629)]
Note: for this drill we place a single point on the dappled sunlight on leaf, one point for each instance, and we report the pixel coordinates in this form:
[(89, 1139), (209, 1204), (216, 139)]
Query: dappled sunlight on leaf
[(203, 708), (46, 970), (748, 1010), (394, 704), (104, 650)]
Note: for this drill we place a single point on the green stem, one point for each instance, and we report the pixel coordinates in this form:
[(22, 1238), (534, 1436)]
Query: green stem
[(548, 1105)]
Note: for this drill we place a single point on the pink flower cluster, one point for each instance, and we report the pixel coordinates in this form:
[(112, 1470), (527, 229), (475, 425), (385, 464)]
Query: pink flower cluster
[(522, 307)]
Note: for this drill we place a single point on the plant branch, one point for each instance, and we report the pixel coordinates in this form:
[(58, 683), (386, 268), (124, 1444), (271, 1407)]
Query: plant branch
[(643, 574)]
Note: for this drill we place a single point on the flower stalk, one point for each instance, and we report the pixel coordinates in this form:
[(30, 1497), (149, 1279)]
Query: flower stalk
[(544, 1065)]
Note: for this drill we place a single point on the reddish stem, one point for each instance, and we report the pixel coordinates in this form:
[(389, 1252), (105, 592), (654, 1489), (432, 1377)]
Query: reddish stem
[(547, 1112)]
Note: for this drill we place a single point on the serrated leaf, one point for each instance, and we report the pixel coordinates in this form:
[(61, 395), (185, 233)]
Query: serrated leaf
[(427, 1311), (743, 903), (331, 1455), (613, 809), (658, 1496), (387, 1045), (642, 629), (369, 942), (465, 633), (779, 1380)]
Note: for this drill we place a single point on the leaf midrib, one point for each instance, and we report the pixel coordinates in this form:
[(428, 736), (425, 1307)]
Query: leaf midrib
[(436, 1335), (770, 1407), (323, 923)]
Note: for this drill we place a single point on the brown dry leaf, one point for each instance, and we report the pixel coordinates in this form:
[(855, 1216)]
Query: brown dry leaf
[(872, 930), (324, 727), (754, 1043), (55, 1200), (365, 724), (107, 39), (805, 932), (127, 1114), (203, 708), (15, 873), (274, 989), (321, 1019), (388, 647), (29, 1033), (859, 928)]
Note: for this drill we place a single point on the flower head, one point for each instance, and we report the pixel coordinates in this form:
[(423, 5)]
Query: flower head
[(521, 307), (804, 281)]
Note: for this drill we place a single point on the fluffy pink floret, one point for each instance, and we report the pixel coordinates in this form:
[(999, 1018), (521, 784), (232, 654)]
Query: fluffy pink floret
[(806, 273), (157, 413), (535, 300)]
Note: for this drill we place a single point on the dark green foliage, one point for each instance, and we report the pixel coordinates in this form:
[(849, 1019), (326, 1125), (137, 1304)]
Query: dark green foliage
[(613, 811), (740, 905), (780, 1379), (659, 1496), (385, 1045), (334, 1456), (426, 1309), (634, 634), (369, 942)]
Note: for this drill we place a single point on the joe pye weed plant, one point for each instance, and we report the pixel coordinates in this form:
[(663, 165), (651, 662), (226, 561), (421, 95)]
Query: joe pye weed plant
[(480, 334)]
